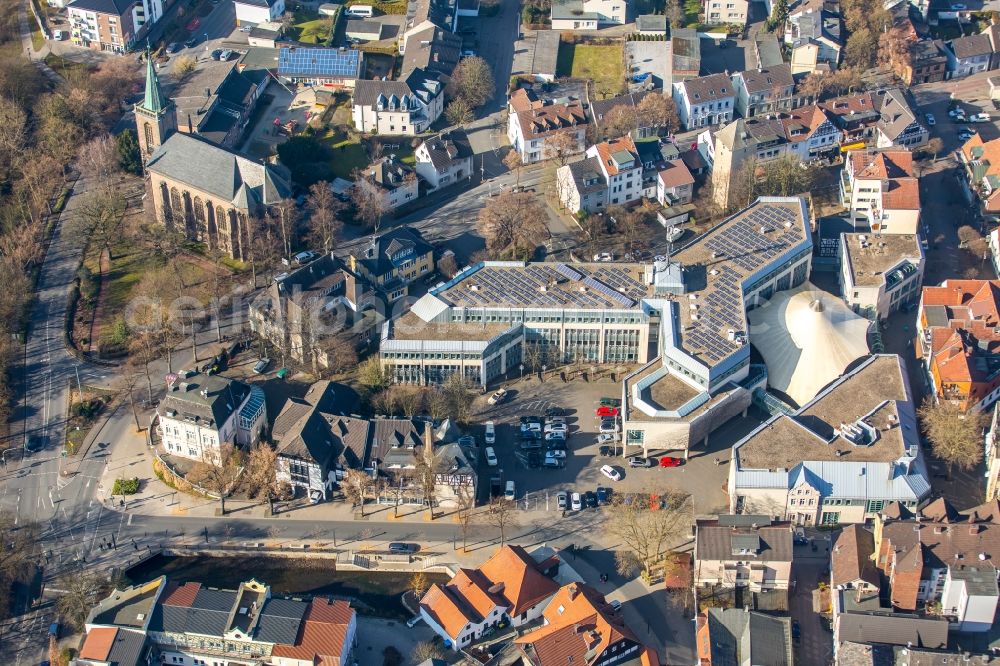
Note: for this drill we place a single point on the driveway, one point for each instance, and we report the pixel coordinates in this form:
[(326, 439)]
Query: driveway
[(496, 36), (815, 645)]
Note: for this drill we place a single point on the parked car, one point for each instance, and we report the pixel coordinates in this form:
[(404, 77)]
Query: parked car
[(491, 433), (608, 451), (530, 427), (607, 411), (173, 47), (670, 461), (556, 453), (966, 134), (604, 257), (576, 502), (979, 118), (603, 494), (60, 35), (590, 499), (528, 435), (400, 547), (227, 55), (556, 445), (302, 258), (611, 473), (553, 463), (530, 445), (555, 436), (191, 42), (556, 427), (491, 457), (216, 54), (639, 461), (555, 411), (674, 234), (549, 420), (497, 397), (261, 365), (930, 119), (509, 491), (608, 426), (530, 419), (796, 632), (606, 437), (562, 500), (610, 402)]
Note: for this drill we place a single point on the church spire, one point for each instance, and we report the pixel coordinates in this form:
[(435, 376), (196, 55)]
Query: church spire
[(154, 97)]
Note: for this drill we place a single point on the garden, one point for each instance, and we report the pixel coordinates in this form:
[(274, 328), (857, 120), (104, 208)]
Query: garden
[(600, 62)]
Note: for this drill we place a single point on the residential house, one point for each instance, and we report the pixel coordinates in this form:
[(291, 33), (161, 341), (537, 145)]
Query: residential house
[(511, 587), (431, 48), (181, 623), (838, 459), (674, 184), (300, 311), (704, 101), (933, 566), (392, 260), (336, 68), (726, 12), (587, 14), (881, 274), (881, 191), (927, 62), (816, 40), (532, 122), (807, 133), (880, 119), (968, 55), (112, 25), (616, 166), (958, 327), (406, 107), (364, 31), (766, 50), (202, 413), (580, 627), (748, 551), (742, 636), (444, 159), (981, 162), (394, 181), (254, 12), (215, 102), (993, 32), (317, 442), (685, 53), (765, 90)]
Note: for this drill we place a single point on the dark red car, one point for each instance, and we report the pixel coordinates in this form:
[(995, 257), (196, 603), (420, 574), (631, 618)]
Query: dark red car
[(668, 461), (607, 411)]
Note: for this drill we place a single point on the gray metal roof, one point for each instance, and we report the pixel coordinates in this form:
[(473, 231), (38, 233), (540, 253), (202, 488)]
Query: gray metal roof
[(279, 620), (216, 170), (980, 581), (200, 396), (740, 636), (764, 544), (128, 649), (894, 629)]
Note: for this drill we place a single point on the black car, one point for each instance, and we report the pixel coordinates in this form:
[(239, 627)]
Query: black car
[(556, 445), (404, 548), (603, 495), (530, 459), (216, 54), (531, 445), (531, 435), (173, 47), (530, 419), (590, 499), (607, 451), (555, 411), (191, 42)]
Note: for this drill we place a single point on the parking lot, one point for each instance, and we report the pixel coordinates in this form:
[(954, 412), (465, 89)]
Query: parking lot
[(703, 475)]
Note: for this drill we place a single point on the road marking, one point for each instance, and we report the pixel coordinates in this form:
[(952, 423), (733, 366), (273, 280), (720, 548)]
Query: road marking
[(130, 517)]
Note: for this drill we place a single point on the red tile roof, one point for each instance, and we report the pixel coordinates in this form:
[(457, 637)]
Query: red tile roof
[(98, 644), (180, 594), (675, 174), (606, 149), (323, 634), (901, 190), (524, 584)]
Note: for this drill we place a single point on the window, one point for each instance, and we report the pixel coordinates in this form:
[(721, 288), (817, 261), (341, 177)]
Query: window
[(874, 506), (831, 517)]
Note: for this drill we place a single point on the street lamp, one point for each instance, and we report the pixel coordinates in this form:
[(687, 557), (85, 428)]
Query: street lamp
[(543, 372), (522, 371)]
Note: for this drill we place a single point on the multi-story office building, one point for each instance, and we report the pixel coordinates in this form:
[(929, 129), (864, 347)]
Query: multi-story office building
[(687, 313)]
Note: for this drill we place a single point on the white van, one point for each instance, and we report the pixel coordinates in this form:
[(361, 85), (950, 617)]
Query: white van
[(491, 433), (361, 10), (509, 494)]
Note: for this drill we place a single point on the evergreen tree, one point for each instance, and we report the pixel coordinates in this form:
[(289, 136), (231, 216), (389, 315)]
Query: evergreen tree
[(127, 145)]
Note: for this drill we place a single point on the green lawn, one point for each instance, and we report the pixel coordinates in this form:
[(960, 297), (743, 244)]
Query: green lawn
[(384, 6), (603, 64), (310, 28), (691, 10), (348, 154), (37, 40), (63, 66)]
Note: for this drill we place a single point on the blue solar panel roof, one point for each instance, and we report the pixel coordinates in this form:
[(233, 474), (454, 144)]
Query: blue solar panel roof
[(304, 61)]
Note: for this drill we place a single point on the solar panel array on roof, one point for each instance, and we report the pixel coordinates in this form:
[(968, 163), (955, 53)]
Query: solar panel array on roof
[(756, 238), (546, 286), (318, 62)]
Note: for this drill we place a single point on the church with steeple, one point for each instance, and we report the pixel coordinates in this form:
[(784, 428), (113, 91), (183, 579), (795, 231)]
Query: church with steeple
[(210, 194)]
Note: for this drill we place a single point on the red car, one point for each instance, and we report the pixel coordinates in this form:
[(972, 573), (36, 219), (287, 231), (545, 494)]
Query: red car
[(668, 461), (607, 411), (194, 24)]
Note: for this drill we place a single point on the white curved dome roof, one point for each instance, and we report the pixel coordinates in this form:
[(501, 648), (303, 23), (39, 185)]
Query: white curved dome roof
[(807, 337)]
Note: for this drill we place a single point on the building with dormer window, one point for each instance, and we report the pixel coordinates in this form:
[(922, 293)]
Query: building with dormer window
[(705, 101), (747, 551), (393, 260), (406, 107), (444, 159), (611, 175), (532, 122)]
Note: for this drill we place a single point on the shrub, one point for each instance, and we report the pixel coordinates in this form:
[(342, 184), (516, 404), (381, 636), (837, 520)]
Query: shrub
[(125, 487), (88, 285)]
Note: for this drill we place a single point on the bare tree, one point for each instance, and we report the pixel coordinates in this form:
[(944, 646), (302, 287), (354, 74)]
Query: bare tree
[(340, 351), (956, 435), (357, 487), (466, 515), (372, 375), (500, 514), (649, 524), (560, 146), (369, 200), (425, 650), (419, 584), (447, 266), (626, 563), (18, 546), (459, 112), (472, 80), (262, 472), (184, 67), (324, 216), (513, 224), (620, 121), (436, 402), (512, 160), (659, 112), (426, 477), (218, 471), (81, 592)]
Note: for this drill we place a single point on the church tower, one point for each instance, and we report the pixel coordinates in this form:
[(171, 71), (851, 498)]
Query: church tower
[(156, 116)]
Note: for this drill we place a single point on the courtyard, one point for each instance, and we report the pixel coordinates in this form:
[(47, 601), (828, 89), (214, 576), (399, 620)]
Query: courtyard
[(602, 63)]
